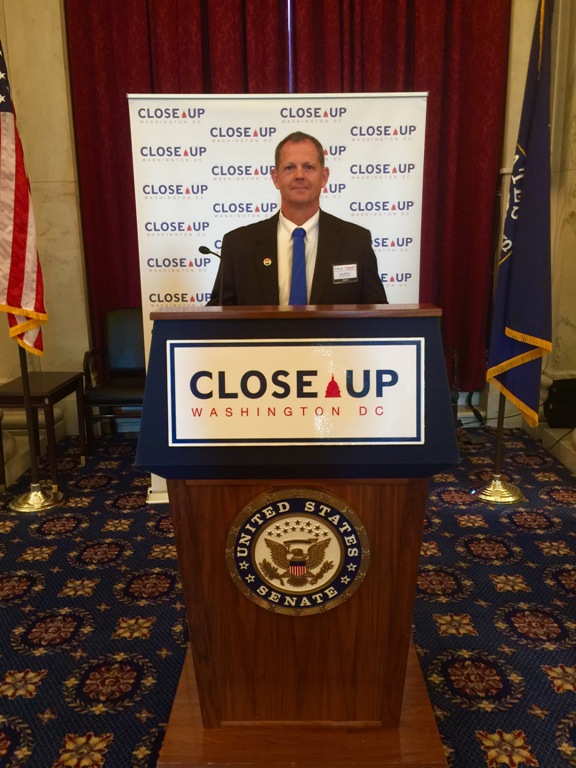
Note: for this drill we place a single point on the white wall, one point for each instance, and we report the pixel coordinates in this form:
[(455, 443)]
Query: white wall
[(33, 40)]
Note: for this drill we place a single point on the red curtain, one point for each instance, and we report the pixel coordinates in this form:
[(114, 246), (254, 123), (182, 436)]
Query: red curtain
[(235, 46), (456, 50)]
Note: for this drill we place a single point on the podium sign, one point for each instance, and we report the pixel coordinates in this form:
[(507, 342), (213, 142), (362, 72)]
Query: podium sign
[(297, 445), (294, 391), (380, 426)]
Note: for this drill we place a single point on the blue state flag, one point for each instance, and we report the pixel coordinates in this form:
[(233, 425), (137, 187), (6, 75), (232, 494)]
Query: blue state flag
[(521, 322)]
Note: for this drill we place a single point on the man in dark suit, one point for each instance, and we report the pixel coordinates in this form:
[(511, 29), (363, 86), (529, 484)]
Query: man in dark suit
[(256, 260)]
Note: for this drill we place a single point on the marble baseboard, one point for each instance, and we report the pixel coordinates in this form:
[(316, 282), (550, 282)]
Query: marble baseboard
[(18, 457), (560, 443)]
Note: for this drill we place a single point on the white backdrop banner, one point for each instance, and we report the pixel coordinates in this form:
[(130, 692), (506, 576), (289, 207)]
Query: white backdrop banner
[(202, 167)]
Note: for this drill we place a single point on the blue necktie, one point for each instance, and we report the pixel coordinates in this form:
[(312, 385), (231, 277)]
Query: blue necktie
[(298, 283)]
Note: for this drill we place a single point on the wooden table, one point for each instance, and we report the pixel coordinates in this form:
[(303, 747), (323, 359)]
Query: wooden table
[(46, 389)]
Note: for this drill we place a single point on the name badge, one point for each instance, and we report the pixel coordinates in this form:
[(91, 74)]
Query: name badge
[(345, 273)]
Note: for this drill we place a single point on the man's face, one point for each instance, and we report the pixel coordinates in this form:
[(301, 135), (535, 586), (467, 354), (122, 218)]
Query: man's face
[(299, 177)]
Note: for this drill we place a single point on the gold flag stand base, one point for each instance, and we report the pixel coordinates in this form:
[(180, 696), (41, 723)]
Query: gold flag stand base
[(37, 499), (497, 491)]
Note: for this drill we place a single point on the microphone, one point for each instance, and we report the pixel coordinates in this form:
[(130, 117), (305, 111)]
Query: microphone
[(205, 250)]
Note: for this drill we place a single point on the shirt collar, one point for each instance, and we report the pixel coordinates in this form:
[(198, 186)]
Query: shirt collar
[(287, 226)]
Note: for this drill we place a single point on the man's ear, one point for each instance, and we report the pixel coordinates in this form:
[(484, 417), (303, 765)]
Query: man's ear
[(274, 175), (325, 175)]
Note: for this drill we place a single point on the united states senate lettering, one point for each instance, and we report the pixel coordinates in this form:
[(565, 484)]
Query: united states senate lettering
[(297, 551)]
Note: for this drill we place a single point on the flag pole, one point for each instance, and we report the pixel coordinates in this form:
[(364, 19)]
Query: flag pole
[(21, 285), (521, 332), (37, 499), (498, 491)]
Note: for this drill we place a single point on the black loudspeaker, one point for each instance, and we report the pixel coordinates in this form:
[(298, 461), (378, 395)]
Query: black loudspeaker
[(560, 405)]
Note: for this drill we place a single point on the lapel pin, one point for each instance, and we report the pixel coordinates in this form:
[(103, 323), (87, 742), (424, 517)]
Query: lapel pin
[(267, 262)]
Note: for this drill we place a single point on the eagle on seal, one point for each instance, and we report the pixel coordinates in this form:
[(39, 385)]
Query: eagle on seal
[(297, 558)]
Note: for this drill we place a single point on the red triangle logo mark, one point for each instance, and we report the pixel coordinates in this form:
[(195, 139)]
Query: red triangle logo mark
[(332, 389)]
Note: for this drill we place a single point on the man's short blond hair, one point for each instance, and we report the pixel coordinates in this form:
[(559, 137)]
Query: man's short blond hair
[(297, 137)]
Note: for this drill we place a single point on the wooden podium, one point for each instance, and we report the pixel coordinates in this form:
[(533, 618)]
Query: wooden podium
[(293, 662)]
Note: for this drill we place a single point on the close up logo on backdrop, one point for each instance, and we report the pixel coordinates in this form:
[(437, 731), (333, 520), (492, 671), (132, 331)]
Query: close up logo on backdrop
[(295, 392), (297, 551)]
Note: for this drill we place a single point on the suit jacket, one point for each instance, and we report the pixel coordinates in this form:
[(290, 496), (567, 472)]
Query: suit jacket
[(248, 273)]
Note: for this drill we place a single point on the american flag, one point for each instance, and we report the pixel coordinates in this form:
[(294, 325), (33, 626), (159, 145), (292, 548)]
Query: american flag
[(21, 286)]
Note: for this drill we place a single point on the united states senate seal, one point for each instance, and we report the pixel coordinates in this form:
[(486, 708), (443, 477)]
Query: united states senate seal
[(297, 551)]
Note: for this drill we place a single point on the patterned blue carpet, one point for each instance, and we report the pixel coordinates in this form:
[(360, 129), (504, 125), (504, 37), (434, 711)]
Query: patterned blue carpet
[(92, 641), (93, 634), (495, 616)]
